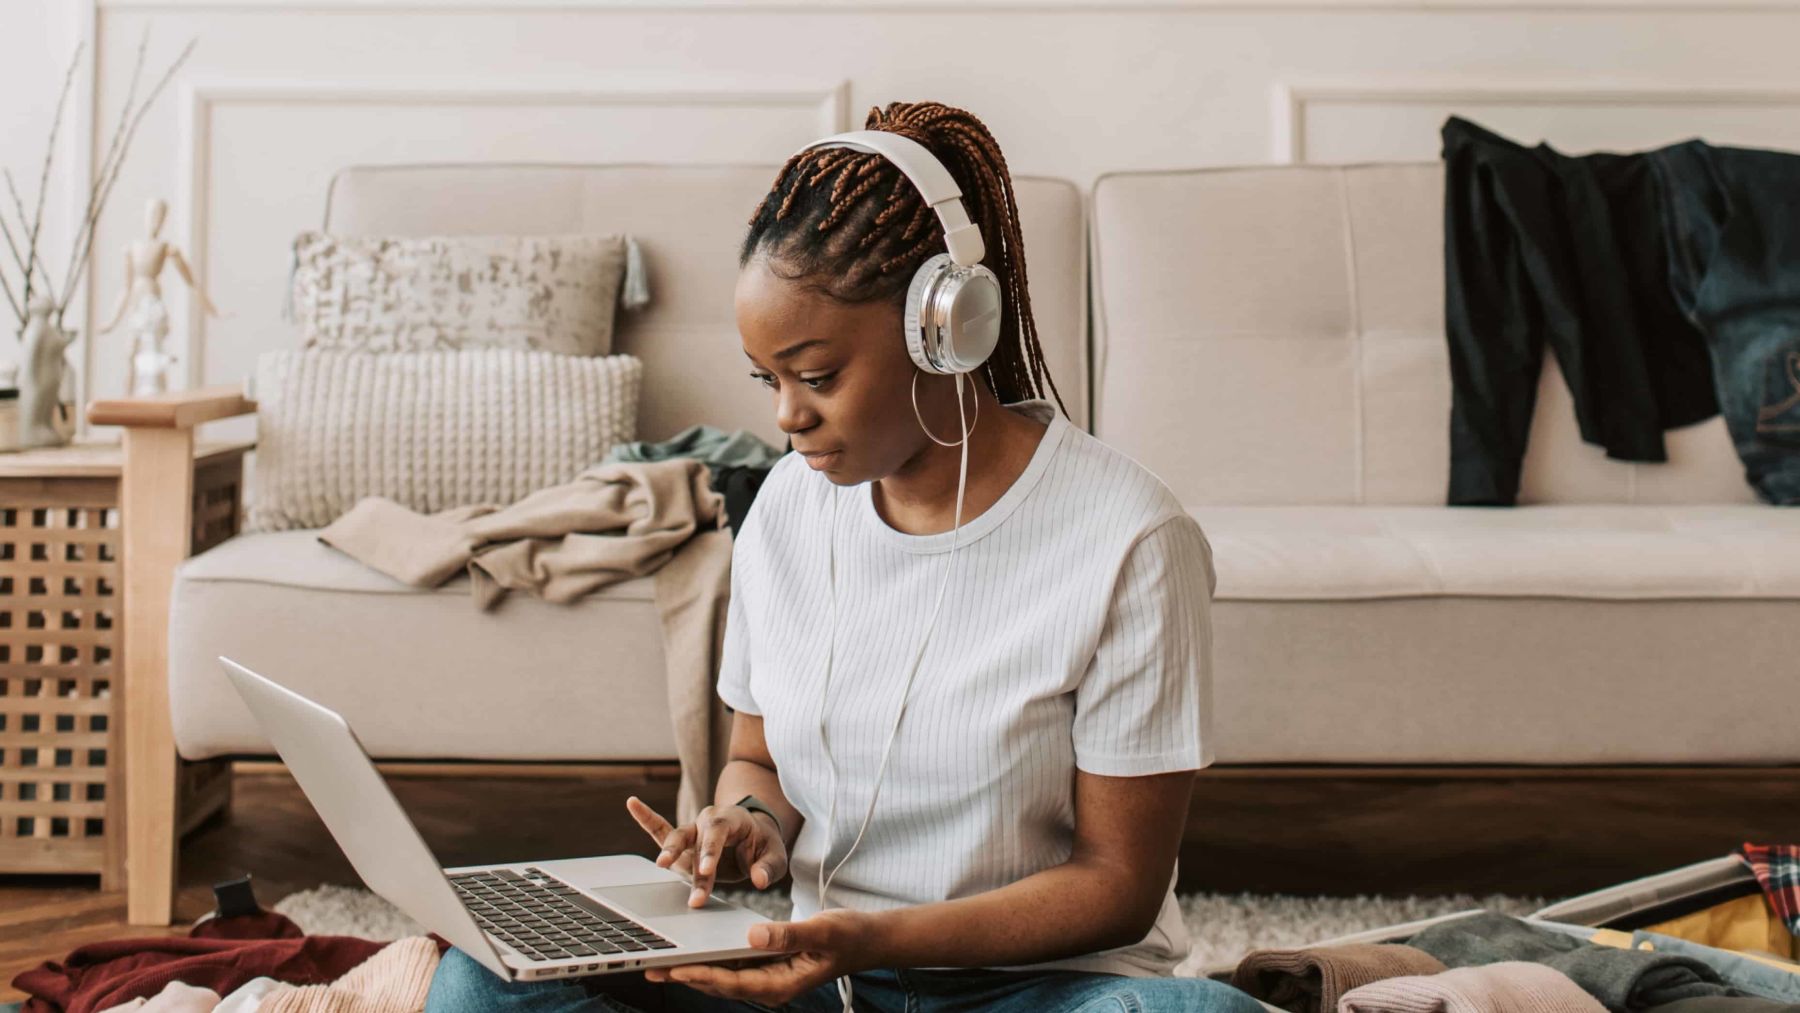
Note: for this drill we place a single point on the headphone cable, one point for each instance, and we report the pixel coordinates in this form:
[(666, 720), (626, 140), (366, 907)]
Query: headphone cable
[(845, 990)]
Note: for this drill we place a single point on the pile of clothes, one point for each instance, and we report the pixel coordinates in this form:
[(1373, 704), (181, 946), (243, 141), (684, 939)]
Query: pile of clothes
[(625, 517), (1666, 282), (239, 959), (1735, 956), (737, 462), (648, 509)]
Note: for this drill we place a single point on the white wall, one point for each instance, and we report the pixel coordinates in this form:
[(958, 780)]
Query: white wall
[(280, 92), (37, 40)]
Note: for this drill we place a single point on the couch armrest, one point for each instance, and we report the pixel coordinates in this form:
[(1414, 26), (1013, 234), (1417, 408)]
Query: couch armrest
[(179, 410)]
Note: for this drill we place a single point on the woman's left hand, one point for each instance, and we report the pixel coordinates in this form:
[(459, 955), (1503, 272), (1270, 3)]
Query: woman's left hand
[(821, 948)]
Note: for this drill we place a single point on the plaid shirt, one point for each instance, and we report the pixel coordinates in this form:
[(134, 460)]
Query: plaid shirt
[(1777, 868)]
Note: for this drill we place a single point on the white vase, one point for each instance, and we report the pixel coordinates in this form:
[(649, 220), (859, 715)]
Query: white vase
[(41, 377)]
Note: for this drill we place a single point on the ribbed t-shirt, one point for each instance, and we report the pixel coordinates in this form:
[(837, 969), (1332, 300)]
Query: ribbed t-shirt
[(1075, 633)]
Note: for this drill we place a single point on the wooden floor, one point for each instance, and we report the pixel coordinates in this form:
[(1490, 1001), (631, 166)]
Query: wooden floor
[(1260, 830)]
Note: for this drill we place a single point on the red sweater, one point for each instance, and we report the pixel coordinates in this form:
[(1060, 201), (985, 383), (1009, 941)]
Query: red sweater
[(219, 953)]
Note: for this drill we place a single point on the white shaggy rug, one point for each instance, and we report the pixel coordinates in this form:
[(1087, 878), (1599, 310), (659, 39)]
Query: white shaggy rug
[(1223, 927)]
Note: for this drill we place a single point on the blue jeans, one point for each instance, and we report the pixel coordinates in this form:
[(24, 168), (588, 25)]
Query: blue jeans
[(1748, 976), (463, 986), (1733, 227)]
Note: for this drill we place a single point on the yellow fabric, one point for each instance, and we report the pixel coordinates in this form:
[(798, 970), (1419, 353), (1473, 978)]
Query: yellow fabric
[(1745, 925), (1612, 937)]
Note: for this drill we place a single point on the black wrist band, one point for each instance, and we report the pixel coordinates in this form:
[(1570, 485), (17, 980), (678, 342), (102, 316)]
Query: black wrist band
[(751, 803)]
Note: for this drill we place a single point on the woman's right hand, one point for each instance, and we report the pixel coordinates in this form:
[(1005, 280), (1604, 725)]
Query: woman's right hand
[(725, 844)]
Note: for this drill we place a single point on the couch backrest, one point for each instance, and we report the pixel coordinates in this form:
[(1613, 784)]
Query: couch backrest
[(689, 221), (1276, 335)]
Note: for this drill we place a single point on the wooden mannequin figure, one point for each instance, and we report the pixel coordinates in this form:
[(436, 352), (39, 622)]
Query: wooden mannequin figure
[(144, 260)]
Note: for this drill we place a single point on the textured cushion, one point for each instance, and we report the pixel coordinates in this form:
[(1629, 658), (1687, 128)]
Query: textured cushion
[(1576, 551), (1275, 335), (391, 294), (429, 430), (418, 674)]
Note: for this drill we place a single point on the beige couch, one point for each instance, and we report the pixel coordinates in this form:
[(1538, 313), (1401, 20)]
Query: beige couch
[(1271, 342), (1267, 340)]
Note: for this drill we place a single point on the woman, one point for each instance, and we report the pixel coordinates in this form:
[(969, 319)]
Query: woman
[(1000, 830)]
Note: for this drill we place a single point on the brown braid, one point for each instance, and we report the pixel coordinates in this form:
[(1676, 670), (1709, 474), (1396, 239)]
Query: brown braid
[(850, 225)]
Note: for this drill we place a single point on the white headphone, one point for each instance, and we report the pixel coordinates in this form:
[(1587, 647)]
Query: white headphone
[(953, 306), (952, 323)]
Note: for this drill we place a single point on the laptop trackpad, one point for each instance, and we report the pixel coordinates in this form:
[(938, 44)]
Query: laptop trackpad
[(658, 900)]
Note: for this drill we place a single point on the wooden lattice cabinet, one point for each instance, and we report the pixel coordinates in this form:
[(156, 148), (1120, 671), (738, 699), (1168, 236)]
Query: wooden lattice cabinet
[(61, 627)]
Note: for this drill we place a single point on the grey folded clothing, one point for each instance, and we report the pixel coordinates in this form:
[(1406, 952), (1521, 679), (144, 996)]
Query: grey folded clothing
[(1625, 981)]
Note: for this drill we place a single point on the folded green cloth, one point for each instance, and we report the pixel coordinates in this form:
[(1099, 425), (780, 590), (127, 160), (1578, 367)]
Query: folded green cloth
[(715, 447)]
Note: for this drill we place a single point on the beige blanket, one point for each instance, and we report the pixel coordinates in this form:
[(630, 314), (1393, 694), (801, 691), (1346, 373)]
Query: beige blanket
[(613, 522)]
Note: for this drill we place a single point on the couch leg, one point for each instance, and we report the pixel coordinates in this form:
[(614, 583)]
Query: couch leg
[(156, 506)]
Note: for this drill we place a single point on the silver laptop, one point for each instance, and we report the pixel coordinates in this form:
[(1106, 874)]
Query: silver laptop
[(554, 919)]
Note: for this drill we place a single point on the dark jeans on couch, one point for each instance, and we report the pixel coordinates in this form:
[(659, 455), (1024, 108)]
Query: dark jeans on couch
[(1733, 237)]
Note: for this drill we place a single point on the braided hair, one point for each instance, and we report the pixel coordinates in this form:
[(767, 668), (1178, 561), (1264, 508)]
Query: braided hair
[(852, 227)]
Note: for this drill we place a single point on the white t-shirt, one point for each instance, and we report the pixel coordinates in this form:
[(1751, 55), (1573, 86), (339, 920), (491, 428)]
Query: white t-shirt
[(1075, 633)]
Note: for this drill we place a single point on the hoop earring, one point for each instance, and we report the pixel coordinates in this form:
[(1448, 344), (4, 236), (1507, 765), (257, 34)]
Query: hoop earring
[(921, 418)]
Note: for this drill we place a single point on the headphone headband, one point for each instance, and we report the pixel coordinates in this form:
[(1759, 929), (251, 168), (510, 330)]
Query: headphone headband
[(934, 182)]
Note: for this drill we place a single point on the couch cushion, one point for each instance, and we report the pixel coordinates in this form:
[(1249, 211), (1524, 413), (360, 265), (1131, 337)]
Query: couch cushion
[(1435, 679), (1574, 634), (418, 674), (437, 293), (1275, 335), (1572, 551), (429, 430)]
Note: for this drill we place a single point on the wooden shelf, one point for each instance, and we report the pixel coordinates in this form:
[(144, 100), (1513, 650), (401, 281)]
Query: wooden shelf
[(100, 459)]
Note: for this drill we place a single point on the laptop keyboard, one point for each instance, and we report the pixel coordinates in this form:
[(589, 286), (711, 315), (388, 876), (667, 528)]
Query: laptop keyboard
[(547, 919)]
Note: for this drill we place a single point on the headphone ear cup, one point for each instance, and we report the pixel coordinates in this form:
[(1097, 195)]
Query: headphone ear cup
[(975, 311), (923, 283)]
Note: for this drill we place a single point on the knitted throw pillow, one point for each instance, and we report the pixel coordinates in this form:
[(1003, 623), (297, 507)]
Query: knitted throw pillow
[(385, 294), (429, 430)]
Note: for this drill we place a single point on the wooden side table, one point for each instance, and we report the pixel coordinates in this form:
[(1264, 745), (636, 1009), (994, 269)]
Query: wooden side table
[(63, 513)]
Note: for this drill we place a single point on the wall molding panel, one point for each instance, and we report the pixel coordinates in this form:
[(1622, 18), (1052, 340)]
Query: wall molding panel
[(1298, 108)]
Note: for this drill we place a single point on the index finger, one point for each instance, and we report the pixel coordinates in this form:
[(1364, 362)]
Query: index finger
[(653, 824)]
